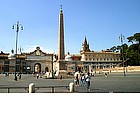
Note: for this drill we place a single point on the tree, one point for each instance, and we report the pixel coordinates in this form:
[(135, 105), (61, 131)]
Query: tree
[(135, 38), (130, 54), (133, 51), (113, 49), (118, 48), (133, 55), (131, 39), (124, 52)]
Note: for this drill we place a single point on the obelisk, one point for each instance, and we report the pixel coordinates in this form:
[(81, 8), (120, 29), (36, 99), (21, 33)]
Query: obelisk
[(61, 48)]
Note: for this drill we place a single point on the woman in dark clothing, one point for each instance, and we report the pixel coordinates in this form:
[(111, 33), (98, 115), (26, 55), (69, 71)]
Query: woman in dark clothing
[(88, 81), (77, 80)]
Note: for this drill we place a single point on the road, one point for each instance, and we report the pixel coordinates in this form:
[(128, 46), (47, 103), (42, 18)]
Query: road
[(114, 83)]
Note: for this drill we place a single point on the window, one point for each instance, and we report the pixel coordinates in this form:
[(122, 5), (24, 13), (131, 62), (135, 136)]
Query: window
[(6, 61)]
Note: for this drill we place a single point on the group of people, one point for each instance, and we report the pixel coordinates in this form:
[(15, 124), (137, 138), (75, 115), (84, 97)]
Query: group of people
[(82, 80)]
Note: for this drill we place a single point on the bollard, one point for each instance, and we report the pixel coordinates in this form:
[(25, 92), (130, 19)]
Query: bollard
[(71, 86), (32, 88)]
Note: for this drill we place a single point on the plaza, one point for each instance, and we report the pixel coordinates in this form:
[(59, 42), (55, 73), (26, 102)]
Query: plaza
[(60, 63), (116, 82)]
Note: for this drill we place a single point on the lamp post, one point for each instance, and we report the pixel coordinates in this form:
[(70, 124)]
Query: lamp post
[(122, 38), (17, 27)]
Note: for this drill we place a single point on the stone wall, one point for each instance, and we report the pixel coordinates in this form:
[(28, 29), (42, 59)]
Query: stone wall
[(129, 69)]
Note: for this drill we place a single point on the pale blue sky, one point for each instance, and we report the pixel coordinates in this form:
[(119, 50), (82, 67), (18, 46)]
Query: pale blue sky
[(102, 21)]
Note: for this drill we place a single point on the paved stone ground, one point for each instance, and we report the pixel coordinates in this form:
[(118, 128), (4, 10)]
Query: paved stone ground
[(114, 83)]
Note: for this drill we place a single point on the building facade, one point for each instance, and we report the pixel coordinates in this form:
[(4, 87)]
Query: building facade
[(39, 61), (4, 62), (92, 61), (87, 60), (33, 62)]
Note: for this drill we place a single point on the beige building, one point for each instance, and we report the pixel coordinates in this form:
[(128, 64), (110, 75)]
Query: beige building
[(91, 61), (99, 59), (39, 61), (33, 62), (86, 60)]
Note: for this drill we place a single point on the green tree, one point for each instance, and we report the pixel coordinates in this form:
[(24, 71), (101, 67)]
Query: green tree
[(118, 48), (131, 39), (124, 52), (133, 55), (134, 50), (135, 38), (113, 49)]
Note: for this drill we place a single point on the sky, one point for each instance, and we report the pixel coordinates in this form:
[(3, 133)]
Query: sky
[(101, 21)]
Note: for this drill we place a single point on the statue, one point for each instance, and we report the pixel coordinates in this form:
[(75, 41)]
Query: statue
[(37, 68)]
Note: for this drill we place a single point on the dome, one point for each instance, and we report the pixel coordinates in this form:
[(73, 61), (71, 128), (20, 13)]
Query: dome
[(68, 57), (12, 55)]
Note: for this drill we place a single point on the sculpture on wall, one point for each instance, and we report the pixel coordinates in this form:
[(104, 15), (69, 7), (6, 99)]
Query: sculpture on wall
[(37, 68)]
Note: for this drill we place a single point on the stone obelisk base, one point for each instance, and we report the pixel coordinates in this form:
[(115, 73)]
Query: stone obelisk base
[(60, 74)]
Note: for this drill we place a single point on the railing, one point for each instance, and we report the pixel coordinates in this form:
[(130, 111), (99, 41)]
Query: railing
[(52, 88), (8, 88), (36, 88)]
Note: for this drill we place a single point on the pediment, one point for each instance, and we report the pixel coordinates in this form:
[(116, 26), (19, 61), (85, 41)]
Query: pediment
[(37, 52)]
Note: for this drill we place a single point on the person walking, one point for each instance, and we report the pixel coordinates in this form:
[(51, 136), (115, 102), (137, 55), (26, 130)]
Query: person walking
[(82, 80), (88, 81), (106, 75), (61, 77), (20, 76), (77, 79), (37, 76)]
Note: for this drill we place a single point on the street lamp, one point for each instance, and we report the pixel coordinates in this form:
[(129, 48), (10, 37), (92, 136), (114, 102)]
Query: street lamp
[(122, 38), (17, 27)]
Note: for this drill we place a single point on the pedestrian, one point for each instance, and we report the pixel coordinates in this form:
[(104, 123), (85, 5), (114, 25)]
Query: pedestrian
[(105, 74), (37, 76), (77, 80), (61, 77), (19, 76), (82, 80), (88, 81)]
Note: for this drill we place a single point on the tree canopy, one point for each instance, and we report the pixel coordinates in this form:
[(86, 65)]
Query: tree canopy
[(130, 53)]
